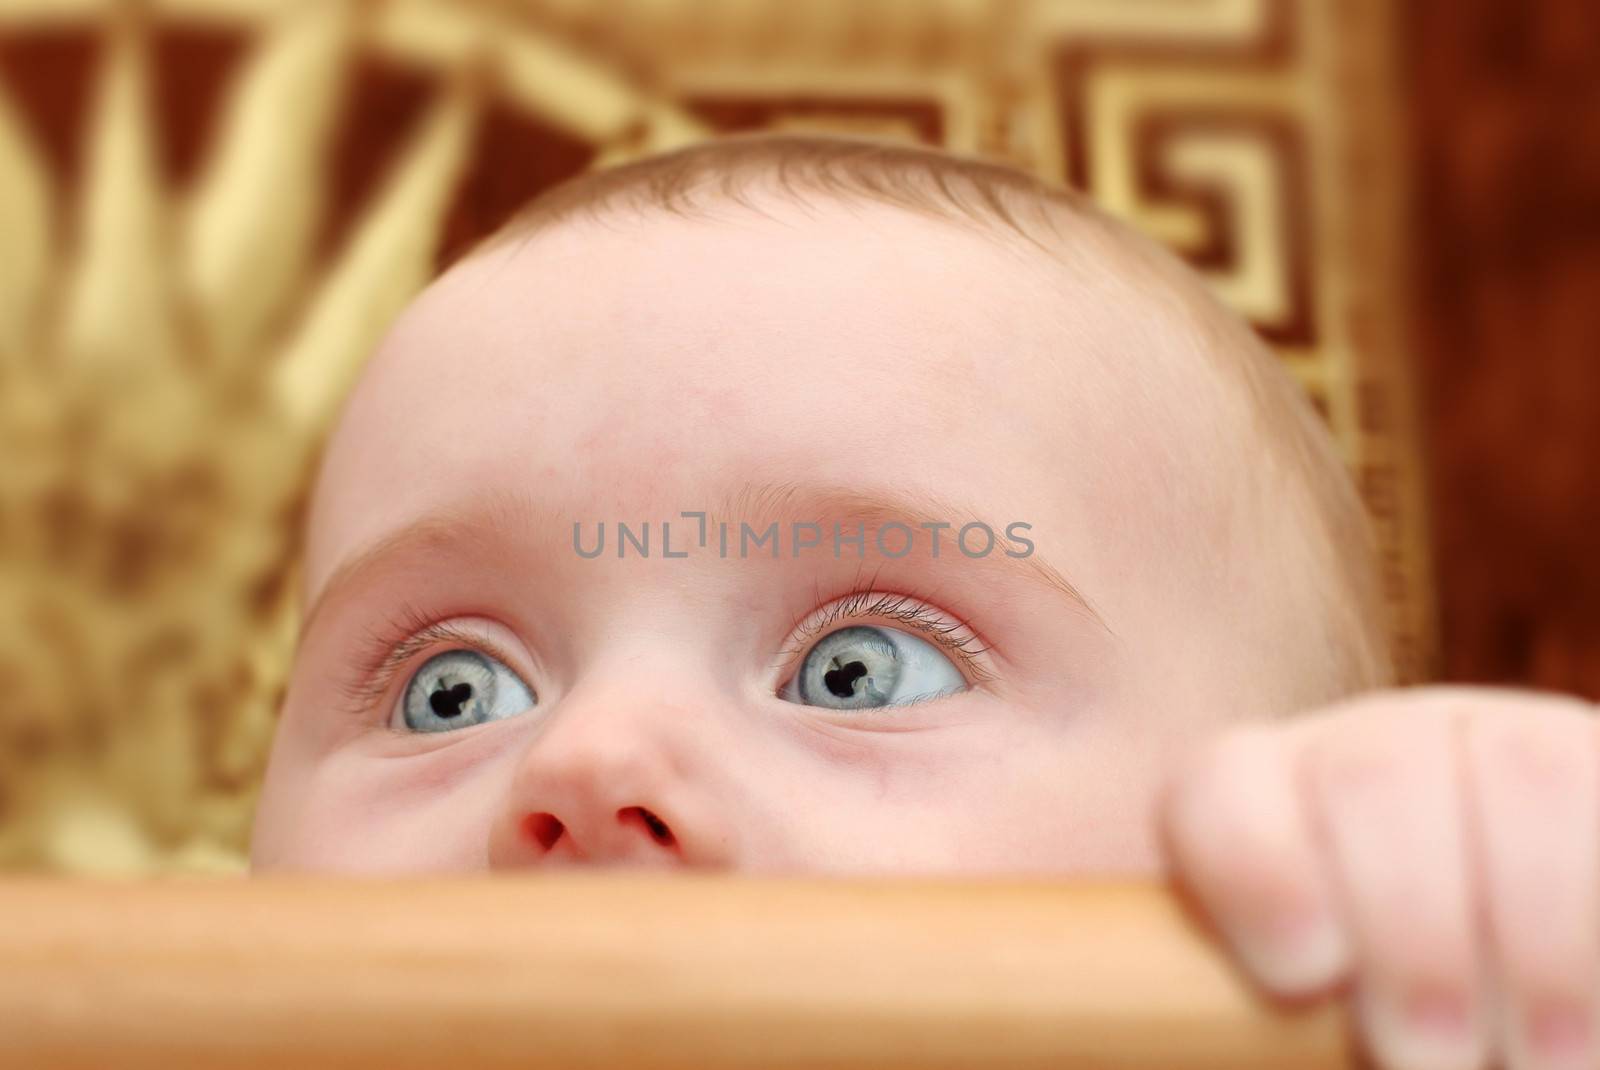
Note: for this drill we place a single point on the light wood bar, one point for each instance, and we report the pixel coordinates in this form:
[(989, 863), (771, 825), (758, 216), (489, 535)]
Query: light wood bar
[(599, 970)]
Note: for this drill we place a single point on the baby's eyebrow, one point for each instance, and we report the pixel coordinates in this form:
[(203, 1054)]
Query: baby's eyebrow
[(482, 519), (490, 516), (762, 504)]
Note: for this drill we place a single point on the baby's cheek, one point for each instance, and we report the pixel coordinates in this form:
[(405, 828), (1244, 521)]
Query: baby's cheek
[(1066, 799), (361, 814)]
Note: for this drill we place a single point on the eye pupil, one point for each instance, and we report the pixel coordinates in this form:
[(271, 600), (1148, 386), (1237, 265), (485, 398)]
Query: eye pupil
[(448, 701), (461, 688), (842, 680)]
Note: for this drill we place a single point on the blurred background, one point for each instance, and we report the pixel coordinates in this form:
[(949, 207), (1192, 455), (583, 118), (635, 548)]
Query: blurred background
[(210, 209)]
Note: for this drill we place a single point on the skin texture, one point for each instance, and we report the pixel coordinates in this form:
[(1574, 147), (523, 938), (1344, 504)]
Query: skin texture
[(865, 364)]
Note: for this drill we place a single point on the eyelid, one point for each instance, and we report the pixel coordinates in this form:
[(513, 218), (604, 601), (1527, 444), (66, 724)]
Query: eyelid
[(864, 605), (408, 639)]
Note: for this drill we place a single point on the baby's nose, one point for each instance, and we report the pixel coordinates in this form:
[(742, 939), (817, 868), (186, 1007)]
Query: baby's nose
[(544, 832), (610, 786)]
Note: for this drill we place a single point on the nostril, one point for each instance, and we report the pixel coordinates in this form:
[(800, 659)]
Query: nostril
[(545, 829), (658, 828)]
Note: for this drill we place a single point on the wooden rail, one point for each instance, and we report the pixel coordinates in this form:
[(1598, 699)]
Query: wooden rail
[(598, 970)]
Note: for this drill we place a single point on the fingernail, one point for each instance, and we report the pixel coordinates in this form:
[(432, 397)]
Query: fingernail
[(1430, 1028), (1553, 1036), (1295, 956)]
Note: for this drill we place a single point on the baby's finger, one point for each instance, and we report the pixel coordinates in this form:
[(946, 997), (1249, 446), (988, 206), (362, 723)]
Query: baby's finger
[(1387, 794), (1538, 815), (1241, 845)]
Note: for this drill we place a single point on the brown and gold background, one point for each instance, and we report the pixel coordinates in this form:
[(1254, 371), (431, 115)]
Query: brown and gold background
[(209, 209)]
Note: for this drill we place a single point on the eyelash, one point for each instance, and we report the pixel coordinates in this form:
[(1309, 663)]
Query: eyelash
[(410, 632), (957, 640), (386, 651)]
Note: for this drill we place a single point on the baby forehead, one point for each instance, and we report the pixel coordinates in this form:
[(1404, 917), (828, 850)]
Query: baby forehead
[(619, 351), (876, 297), (637, 380), (887, 267)]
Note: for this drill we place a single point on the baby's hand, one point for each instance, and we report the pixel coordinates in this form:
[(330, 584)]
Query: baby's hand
[(1438, 849)]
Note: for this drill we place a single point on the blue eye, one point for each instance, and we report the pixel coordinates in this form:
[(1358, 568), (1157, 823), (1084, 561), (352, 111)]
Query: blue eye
[(864, 667), (458, 689)]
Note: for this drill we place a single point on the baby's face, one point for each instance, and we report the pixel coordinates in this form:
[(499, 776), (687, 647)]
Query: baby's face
[(849, 708)]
